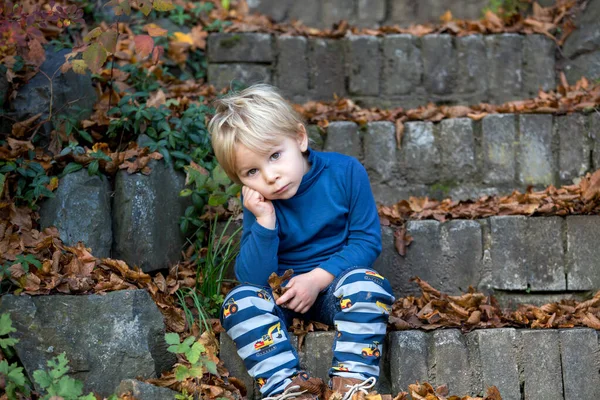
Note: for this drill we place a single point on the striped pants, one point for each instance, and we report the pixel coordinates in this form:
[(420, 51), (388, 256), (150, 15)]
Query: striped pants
[(357, 303)]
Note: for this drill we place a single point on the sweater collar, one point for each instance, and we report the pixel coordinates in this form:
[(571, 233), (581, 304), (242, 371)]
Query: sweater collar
[(317, 164)]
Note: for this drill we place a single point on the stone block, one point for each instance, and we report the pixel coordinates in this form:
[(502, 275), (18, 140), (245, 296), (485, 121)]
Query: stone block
[(81, 212), (499, 133), (544, 257), (143, 390), (371, 12), (586, 65), (472, 67), (316, 354), (315, 137), (585, 39), (538, 64), (536, 160), (276, 9), (409, 352), (467, 9), (575, 149), (431, 10), (458, 141), (507, 252), (222, 75), (403, 11), (495, 354), (504, 78), (380, 150), (363, 65), (308, 12), (579, 355), (344, 137), (327, 70), (235, 365), (595, 134), (449, 357), (583, 252), (541, 365), (336, 10), (461, 255), (292, 65), (512, 300), (240, 47), (402, 65), (419, 153), (439, 64)]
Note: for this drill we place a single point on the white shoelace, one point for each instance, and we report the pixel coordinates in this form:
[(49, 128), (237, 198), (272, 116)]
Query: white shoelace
[(287, 394), (362, 387)]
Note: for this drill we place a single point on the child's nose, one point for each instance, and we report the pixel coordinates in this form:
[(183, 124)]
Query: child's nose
[(271, 175)]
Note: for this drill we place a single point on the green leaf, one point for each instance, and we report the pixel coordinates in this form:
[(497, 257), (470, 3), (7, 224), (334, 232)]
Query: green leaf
[(95, 56), (181, 373), (172, 338), (219, 176), (109, 40), (17, 376), (93, 167), (186, 192), (233, 190), (194, 354), (71, 167), (197, 371), (217, 198), (94, 33), (225, 4), (211, 367), (6, 324), (4, 367), (8, 342), (189, 341), (58, 366), (42, 378), (86, 136), (69, 387), (2, 181), (163, 5)]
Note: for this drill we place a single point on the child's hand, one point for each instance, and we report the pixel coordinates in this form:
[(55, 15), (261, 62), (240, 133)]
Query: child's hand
[(303, 290), (262, 208)]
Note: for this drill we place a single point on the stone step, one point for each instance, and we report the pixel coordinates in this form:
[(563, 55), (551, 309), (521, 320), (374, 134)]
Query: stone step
[(517, 258), (464, 159), (389, 71), (522, 364)]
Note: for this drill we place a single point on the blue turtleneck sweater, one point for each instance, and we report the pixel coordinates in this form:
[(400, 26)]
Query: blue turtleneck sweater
[(330, 223)]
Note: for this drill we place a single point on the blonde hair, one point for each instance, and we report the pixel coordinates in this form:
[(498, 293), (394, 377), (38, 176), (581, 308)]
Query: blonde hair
[(257, 117)]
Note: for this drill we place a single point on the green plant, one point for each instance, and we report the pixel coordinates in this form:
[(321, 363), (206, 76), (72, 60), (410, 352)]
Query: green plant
[(14, 378), (507, 8), (31, 179), (192, 350), (57, 383)]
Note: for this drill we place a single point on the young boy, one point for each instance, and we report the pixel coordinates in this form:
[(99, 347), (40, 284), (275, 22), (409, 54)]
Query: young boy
[(314, 213)]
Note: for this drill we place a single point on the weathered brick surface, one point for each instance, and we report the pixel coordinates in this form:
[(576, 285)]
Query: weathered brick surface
[(472, 68), (370, 12), (276, 9), (316, 354), (541, 365), (595, 135), (586, 65), (507, 252), (238, 47), (579, 355), (308, 12), (403, 67), (419, 153), (498, 141), (336, 10), (544, 255), (222, 75), (327, 70), (535, 150), (457, 142), (583, 252), (292, 65), (344, 137), (408, 358), (439, 64), (505, 78), (380, 151), (449, 357), (575, 148), (364, 65), (539, 65)]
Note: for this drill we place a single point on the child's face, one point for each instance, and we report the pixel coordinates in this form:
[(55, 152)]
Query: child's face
[(277, 174)]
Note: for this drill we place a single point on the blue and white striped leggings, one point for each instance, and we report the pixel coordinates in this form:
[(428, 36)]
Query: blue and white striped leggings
[(357, 303)]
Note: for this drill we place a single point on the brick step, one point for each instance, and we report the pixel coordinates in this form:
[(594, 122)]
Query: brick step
[(518, 259), (522, 364), (389, 71), (464, 159)]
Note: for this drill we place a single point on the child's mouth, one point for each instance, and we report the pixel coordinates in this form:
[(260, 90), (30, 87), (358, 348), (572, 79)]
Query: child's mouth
[(283, 189)]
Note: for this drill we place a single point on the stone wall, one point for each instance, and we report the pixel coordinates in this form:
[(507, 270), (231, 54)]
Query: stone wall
[(393, 70), (462, 158)]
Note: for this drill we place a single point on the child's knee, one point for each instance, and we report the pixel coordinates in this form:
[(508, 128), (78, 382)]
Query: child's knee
[(245, 302), (365, 285)]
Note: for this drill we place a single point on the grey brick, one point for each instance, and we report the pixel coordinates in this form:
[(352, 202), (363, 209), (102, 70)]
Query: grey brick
[(583, 252), (538, 64), (595, 134), (336, 10), (461, 253), (545, 254), (420, 156), (276, 9), (344, 137), (495, 354), (439, 64), (364, 65), (467, 9), (292, 65), (451, 360), (579, 354), (498, 142), (585, 39), (371, 11), (574, 150), (541, 369), (505, 78), (535, 150), (472, 67), (508, 235), (403, 67), (512, 300), (222, 75), (403, 11), (380, 150), (327, 72), (307, 11), (458, 141), (317, 353), (431, 10), (586, 65), (240, 47), (408, 359)]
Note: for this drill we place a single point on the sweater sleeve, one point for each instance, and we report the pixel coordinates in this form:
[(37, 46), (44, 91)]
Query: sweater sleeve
[(258, 252), (364, 232)]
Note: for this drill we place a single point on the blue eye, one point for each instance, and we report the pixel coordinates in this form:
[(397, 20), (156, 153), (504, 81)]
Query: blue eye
[(275, 156), (251, 172)]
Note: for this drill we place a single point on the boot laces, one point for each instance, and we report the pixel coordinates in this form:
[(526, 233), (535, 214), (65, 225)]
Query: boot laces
[(291, 392), (359, 387)]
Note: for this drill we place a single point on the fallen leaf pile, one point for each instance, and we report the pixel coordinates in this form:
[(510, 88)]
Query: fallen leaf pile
[(473, 310), (424, 391)]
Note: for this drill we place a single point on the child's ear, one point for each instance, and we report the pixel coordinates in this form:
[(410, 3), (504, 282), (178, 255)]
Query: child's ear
[(302, 138)]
